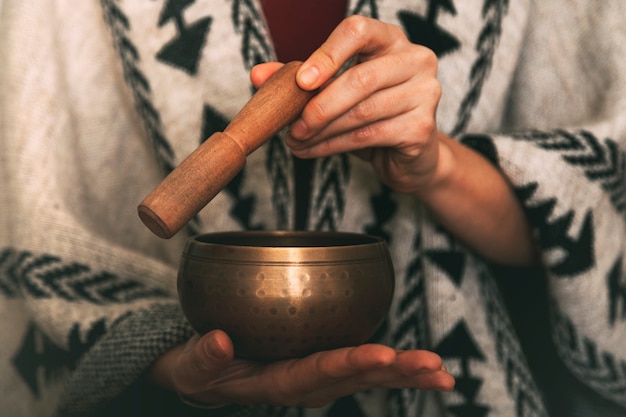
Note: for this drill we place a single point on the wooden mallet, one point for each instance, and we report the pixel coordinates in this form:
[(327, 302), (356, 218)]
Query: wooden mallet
[(208, 169)]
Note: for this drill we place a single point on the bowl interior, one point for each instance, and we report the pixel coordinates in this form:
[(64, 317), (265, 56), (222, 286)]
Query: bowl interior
[(287, 239)]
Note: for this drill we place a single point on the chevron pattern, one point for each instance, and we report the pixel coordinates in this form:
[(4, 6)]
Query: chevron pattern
[(408, 330), (247, 19), (255, 49), (598, 368), (46, 276), (493, 13), (602, 161), (333, 175), (519, 381), (140, 86), (9, 287), (278, 163)]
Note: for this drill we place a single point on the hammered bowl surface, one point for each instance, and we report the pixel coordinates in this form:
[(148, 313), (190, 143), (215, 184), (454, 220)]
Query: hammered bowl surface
[(282, 294)]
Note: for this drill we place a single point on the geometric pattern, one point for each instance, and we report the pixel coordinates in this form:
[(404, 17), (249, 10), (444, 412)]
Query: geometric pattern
[(598, 368), (47, 276), (601, 161), (493, 13)]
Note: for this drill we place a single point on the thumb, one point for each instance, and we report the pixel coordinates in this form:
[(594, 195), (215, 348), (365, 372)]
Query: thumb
[(203, 360), (262, 72)]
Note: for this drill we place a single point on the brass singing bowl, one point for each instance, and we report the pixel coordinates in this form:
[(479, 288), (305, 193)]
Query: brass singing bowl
[(285, 294)]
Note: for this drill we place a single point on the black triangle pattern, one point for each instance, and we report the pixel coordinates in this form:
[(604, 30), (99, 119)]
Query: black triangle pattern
[(346, 406), (185, 49), (460, 345), (425, 31), (450, 261), (366, 8), (601, 161), (384, 208), (554, 232), (38, 357), (616, 283)]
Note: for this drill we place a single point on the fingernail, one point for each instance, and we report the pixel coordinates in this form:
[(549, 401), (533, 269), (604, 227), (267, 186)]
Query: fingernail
[(309, 76), (215, 348), (298, 129)]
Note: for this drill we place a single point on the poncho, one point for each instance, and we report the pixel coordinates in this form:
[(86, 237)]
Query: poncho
[(99, 100)]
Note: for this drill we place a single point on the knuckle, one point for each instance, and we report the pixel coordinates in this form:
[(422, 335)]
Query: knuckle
[(355, 25), (315, 113), (424, 127), (365, 110), (432, 90), (428, 58), (361, 79), (397, 32), (326, 60), (363, 135)]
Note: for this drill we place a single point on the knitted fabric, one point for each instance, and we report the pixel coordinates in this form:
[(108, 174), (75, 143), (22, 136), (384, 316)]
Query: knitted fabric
[(99, 100)]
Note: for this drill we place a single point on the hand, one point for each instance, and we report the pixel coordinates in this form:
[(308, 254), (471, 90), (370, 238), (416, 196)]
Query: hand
[(382, 108), (205, 371)]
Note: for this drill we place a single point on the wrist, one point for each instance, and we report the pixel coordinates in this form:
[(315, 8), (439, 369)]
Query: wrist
[(446, 169)]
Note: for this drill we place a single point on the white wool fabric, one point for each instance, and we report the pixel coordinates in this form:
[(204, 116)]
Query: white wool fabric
[(100, 99)]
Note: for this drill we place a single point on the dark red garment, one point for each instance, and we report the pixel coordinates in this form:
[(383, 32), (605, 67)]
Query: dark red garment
[(299, 27)]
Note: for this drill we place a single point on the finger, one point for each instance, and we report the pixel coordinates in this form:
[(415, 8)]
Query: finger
[(203, 361), (383, 105), (328, 366), (401, 368), (262, 72), (340, 364), (416, 369), (407, 132), (293, 381), (352, 87), (438, 380), (411, 369), (354, 35)]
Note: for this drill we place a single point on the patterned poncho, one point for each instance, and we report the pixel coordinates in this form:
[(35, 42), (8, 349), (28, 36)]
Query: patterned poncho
[(100, 99)]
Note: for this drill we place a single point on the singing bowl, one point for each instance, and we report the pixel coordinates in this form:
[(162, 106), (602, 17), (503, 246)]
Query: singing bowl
[(285, 294)]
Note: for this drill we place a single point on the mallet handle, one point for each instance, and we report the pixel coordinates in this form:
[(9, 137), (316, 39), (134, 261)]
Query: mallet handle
[(208, 169)]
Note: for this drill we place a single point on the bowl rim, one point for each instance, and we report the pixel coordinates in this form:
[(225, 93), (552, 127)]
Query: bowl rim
[(232, 245)]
